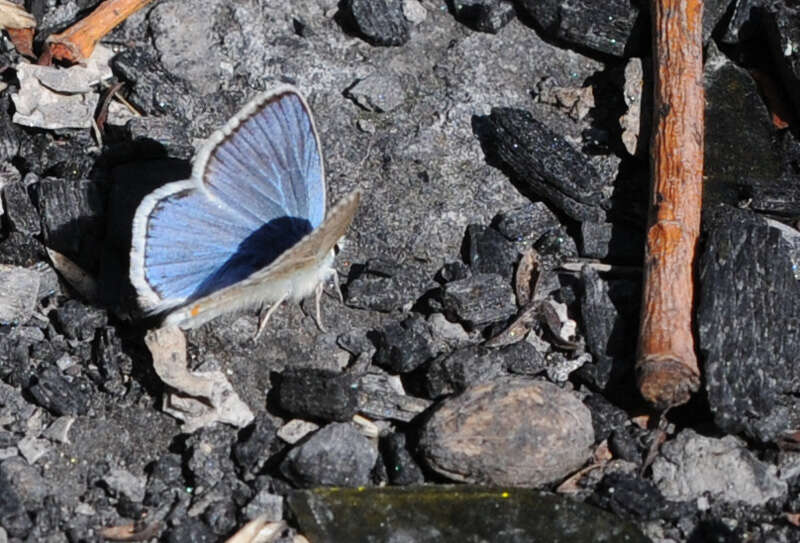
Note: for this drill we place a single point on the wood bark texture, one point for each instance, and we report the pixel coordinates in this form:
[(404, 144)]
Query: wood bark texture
[(666, 367), (77, 42)]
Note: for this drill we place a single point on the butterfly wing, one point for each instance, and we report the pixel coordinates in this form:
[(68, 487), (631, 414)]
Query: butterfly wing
[(293, 275), (257, 188)]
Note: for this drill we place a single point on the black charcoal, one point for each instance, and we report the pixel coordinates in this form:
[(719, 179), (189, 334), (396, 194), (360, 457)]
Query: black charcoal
[(489, 252), (61, 396), (522, 358), (481, 299), (472, 365), (544, 163), (734, 164), (484, 15), (318, 394), (782, 27), (623, 445), (606, 417), (595, 238), (19, 210), (748, 324), (400, 465), (255, 445), (114, 365), (614, 28), (72, 213), (336, 455), (609, 241), (79, 321), (528, 222), (633, 497), (403, 346), (384, 285), (558, 243), (64, 155), (783, 200), (608, 317), (380, 22)]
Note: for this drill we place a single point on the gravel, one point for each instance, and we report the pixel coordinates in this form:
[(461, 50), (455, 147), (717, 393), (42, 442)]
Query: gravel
[(491, 282)]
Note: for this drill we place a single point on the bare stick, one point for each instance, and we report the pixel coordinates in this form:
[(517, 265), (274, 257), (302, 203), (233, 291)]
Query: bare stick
[(666, 367), (77, 42)]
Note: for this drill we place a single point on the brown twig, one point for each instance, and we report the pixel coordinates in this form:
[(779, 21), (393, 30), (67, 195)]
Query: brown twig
[(77, 42), (667, 370)]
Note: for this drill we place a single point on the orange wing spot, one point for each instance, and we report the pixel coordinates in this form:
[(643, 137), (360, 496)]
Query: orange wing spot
[(195, 310)]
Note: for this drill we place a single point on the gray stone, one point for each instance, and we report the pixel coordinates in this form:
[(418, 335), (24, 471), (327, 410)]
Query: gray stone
[(481, 436), (123, 483), (382, 397), (186, 42), (19, 291), (26, 481), (692, 465), (32, 449), (336, 455), (265, 504), (379, 92)]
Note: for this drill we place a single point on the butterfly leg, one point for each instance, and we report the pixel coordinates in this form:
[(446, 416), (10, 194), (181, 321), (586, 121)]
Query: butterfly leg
[(336, 284), (317, 296), (265, 315)]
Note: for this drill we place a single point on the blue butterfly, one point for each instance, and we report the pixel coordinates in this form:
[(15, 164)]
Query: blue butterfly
[(248, 228)]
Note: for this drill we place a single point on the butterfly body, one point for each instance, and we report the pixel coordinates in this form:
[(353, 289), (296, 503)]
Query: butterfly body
[(249, 227)]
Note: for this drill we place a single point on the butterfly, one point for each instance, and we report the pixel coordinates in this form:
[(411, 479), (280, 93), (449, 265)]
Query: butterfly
[(249, 227)]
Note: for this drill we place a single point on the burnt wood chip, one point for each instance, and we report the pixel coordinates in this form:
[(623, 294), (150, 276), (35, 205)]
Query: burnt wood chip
[(545, 163), (58, 395), (748, 324), (380, 22), (318, 394)]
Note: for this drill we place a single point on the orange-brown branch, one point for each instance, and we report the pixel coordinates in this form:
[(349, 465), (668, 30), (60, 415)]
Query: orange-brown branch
[(667, 370), (77, 42)]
